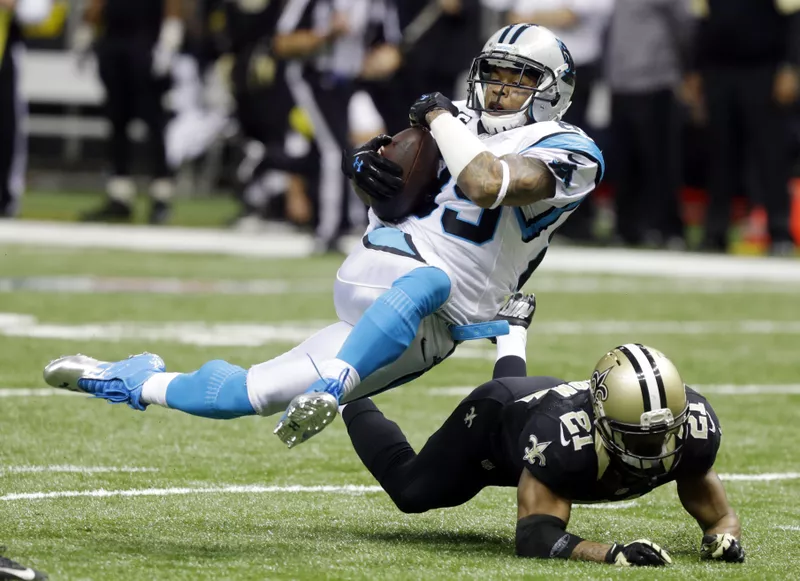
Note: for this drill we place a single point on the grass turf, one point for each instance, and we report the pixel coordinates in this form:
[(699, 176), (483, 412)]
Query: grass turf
[(312, 535)]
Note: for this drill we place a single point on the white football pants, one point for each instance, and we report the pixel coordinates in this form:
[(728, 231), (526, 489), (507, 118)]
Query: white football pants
[(365, 275)]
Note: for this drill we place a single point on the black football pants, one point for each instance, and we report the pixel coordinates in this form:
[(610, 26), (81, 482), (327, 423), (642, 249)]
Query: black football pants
[(745, 122), (132, 92), (13, 145), (455, 463)]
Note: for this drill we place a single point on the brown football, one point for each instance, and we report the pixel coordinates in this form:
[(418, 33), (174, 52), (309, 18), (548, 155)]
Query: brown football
[(414, 150)]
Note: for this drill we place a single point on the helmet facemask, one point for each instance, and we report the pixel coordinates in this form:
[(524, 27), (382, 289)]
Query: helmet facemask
[(649, 448), (544, 89)]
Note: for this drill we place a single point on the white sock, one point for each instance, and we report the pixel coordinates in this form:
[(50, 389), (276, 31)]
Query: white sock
[(154, 389), (334, 367), (514, 343)]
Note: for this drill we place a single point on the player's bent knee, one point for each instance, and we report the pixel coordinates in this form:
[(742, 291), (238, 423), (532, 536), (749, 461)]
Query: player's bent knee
[(410, 503), (428, 288)]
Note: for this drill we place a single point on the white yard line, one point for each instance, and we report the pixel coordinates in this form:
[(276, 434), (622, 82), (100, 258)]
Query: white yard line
[(459, 390), (724, 389), (768, 477), (292, 332), (248, 489), (271, 287), (28, 392), (789, 527), (99, 284), (348, 489), (601, 261), (68, 468)]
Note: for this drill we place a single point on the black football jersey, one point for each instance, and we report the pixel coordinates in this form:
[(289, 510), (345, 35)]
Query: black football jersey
[(551, 434)]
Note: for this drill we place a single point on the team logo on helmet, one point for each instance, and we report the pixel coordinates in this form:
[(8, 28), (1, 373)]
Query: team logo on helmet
[(567, 55), (599, 387)]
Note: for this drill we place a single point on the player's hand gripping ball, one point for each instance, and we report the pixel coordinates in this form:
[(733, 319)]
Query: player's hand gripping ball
[(427, 103), (380, 178)]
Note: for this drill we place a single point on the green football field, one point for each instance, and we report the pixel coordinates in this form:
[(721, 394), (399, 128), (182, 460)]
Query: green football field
[(94, 491)]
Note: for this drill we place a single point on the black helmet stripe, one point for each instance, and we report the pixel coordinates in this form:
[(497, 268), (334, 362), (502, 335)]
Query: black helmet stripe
[(505, 32), (662, 393), (647, 379), (518, 32)]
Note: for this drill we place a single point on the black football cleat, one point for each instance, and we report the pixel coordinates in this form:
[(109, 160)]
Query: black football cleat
[(112, 211), (160, 213)]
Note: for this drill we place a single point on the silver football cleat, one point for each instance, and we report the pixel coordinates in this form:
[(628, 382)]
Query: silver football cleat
[(66, 371), (306, 416)]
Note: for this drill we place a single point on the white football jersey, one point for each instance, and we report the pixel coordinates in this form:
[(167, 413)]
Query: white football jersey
[(492, 253)]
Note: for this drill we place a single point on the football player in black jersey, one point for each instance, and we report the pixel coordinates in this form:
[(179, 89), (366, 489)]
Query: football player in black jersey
[(629, 429)]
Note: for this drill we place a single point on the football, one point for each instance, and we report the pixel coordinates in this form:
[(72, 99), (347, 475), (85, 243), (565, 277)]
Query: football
[(415, 150)]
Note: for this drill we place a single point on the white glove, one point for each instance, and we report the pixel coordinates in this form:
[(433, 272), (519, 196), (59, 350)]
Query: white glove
[(641, 553), (169, 42)]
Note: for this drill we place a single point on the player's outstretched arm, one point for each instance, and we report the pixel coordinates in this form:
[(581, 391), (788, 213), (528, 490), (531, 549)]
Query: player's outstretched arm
[(542, 518), (486, 179), (511, 357), (704, 498)]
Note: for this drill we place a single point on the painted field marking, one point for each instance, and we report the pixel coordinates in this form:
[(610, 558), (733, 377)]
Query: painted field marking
[(69, 468), (271, 287), (724, 389), (462, 390), (292, 332), (767, 477), (583, 261), (349, 489), (39, 392), (248, 489)]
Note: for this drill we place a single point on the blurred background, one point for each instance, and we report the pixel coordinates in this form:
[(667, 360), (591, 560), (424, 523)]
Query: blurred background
[(233, 113)]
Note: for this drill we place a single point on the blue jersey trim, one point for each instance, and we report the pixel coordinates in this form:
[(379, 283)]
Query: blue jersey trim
[(575, 143)]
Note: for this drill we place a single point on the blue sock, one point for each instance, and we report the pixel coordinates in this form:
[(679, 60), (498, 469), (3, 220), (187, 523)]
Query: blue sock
[(217, 390), (389, 325)]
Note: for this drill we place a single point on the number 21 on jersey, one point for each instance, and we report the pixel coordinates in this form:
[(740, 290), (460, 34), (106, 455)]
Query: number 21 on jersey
[(578, 427)]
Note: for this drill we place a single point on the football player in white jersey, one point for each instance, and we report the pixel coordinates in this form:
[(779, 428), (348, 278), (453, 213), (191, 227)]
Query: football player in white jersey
[(414, 289)]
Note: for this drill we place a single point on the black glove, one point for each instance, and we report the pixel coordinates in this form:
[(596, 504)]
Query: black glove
[(724, 547), (518, 311), (639, 553), (378, 177), (427, 103)]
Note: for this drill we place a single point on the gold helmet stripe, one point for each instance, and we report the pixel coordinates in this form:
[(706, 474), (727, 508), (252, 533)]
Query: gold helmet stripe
[(662, 392), (647, 379)]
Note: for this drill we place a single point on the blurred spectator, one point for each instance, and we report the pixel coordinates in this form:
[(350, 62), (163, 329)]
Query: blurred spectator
[(263, 101), (648, 48), (136, 45), (13, 111), (746, 62), (440, 37), (335, 42), (581, 24)]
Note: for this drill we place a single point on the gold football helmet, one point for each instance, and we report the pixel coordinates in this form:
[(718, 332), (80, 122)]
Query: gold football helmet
[(640, 407)]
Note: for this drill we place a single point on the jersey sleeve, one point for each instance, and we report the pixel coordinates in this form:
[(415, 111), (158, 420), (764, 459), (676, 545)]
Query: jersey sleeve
[(703, 437), (551, 457), (573, 158)]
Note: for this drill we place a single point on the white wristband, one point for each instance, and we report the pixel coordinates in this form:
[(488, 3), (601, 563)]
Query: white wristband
[(504, 186), (457, 144)]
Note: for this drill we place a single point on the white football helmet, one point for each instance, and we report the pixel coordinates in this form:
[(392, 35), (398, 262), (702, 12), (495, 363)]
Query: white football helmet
[(526, 48)]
